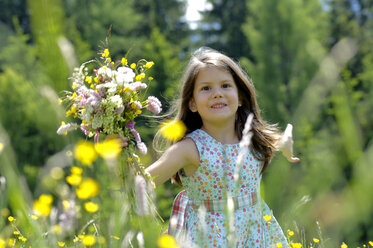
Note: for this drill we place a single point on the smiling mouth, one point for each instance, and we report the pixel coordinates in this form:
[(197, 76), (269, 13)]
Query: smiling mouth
[(218, 106)]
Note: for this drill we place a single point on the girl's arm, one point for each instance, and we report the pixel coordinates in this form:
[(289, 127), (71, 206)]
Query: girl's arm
[(179, 155), (286, 144)]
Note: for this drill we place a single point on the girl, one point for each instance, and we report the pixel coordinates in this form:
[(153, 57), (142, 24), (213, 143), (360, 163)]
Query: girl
[(216, 99)]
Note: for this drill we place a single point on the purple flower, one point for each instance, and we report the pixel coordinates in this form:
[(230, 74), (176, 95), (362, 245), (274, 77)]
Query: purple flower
[(136, 135), (130, 124), (154, 105)]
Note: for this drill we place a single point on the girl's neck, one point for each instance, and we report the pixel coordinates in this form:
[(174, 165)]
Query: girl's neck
[(223, 134)]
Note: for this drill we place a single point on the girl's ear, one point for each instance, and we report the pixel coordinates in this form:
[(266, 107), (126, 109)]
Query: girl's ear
[(192, 105)]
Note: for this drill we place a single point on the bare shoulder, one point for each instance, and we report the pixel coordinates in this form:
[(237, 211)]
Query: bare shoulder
[(187, 150)]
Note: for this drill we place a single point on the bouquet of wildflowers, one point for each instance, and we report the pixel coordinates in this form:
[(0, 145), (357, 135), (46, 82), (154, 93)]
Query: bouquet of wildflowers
[(107, 99)]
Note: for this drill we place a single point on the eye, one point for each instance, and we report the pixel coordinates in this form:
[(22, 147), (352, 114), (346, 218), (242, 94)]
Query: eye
[(205, 88), (226, 85)]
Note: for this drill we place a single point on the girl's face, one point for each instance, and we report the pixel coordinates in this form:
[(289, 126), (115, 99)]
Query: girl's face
[(215, 96)]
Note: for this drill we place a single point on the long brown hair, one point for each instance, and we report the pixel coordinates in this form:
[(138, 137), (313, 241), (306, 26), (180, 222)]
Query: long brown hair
[(265, 136)]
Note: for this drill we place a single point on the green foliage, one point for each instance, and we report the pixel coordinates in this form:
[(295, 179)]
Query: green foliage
[(283, 37)]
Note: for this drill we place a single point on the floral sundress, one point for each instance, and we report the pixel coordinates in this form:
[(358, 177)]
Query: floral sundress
[(200, 212)]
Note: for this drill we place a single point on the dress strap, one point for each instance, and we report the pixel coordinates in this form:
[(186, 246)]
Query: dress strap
[(239, 202)]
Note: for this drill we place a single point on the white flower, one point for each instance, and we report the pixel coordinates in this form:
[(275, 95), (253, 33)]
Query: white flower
[(124, 75), (104, 72), (116, 100), (67, 127)]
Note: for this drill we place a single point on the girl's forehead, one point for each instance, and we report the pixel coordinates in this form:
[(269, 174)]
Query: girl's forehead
[(211, 72)]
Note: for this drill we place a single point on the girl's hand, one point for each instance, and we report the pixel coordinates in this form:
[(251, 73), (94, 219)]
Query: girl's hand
[(286, 144)]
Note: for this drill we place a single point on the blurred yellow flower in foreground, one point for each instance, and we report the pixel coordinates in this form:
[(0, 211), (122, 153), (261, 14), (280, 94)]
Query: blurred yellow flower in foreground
[(316, 240), (1, 147), (290, 232), (296, 245), (279, 244), (89, 240), (74, 179), (167, 241), (91, 207), (173, 130), (61, 244), (109, 148), (267, 217), (11, 218), (371, 243), (43, 205), (85, 152), (88, 188), (2, 243), (343, 245)]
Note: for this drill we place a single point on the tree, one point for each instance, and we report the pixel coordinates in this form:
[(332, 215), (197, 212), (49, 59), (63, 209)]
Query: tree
[(286, 44)]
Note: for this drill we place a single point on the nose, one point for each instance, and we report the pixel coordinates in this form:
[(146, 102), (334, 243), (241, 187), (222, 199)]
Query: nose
[(217, 92)]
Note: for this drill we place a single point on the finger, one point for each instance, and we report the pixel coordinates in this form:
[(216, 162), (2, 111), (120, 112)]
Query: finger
[(293, 159)]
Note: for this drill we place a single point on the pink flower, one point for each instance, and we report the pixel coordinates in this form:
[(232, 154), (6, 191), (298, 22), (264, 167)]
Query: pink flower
[(142, 147), (154, 105), (137, 86)]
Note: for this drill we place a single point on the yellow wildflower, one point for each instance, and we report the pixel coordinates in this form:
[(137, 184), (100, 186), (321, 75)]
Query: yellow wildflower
[(109, 148), (371, 243), (11, 242), (74, 179), (76, 239), (115, 237), (150, 78), (59, 101), (316, 240), (76, 170), (85, 152), (106, 53), (343, 245), (267, 217), (279, 245), (96, 80), (149, 64), (91, 207), (167, 241), (138, 111), (2, 243), (61, 244), (88, 79), (173, 130), (108, 59), (43, 205), (89, 240), (124, 61), (23, 239), (291, 233), (88, 188), (133, 65), (296, 245), (11, 218), (16, 233), (140, 76)]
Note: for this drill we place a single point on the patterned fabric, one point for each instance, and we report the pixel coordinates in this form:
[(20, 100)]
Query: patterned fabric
[(199, 213), (178, 214)]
